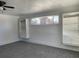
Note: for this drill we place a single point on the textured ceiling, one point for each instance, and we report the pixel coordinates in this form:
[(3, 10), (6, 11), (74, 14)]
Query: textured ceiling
[(34, 6)]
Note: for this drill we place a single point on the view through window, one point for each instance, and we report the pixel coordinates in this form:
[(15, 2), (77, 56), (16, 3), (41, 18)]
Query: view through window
[(45, 20), (71, 28)]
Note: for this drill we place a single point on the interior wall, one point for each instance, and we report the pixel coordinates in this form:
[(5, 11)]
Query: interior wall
[(9, 32), (50, 35)]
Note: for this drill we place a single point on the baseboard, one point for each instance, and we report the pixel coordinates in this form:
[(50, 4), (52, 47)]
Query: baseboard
[(9, 43), (51, 46)]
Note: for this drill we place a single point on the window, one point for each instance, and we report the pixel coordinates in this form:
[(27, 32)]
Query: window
[(35, 21), (71, 28), (45, 20), (56, 19), (71, 23)]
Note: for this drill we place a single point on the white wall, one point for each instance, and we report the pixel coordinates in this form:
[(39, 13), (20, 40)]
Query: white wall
[(10, 33), (49, 35)]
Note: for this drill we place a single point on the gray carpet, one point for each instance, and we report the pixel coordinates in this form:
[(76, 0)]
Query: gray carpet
[(29, 50)]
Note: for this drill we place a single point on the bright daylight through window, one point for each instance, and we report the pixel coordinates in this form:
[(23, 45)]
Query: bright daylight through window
[(45, 20)]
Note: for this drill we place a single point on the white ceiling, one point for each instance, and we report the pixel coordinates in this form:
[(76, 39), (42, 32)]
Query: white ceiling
[(34, 6)]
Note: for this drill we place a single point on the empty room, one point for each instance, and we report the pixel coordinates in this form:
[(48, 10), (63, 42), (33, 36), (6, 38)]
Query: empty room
[(39, 28)]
